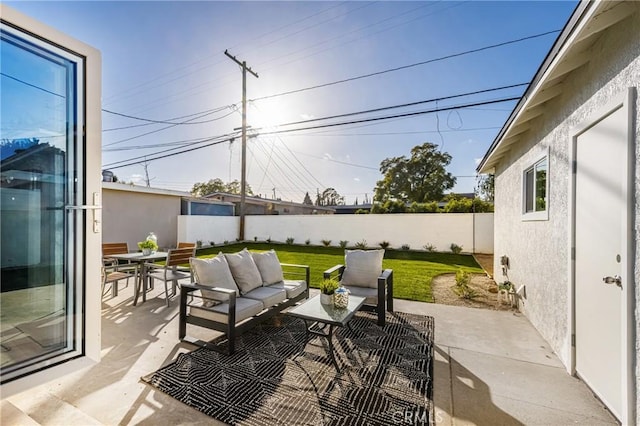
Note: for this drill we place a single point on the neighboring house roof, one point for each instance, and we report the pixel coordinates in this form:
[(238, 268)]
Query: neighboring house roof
[(570, 52), (265, 201), (116, 186)]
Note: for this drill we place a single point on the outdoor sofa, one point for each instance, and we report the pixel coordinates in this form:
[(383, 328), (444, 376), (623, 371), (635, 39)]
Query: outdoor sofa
[(233, 292)]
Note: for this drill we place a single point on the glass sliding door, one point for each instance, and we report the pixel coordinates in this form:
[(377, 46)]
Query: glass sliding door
[(41, 180)]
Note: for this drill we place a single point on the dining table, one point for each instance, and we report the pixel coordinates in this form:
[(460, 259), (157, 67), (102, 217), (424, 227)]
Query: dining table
[(142, 260)]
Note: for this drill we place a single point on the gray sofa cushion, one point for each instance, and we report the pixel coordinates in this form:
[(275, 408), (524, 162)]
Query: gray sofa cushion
[(244, 270), (294, 288), (269, 267), (213, 272), (362, 268), (245, 308), (269, 296), (370, 294)]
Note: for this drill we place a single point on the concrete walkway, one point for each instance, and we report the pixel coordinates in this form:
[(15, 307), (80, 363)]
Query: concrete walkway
[(491, 368)]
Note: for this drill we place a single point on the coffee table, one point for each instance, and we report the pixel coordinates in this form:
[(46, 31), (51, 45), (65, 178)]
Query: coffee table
[(317, 317)]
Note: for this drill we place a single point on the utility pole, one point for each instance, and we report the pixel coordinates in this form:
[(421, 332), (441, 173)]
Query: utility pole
[(243, 178), (146, 172)]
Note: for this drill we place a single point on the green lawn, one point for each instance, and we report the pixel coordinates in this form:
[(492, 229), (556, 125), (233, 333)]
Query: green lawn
[(412, 270)]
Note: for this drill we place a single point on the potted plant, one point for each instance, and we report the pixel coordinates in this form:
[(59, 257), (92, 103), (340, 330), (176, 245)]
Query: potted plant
[(147, 247), (327, 288)]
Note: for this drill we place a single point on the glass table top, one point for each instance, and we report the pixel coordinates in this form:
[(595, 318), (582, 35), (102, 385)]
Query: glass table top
[(313, 310)]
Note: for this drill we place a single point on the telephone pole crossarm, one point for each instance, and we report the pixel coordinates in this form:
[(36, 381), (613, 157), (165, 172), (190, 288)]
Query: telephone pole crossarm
[(243, 179)]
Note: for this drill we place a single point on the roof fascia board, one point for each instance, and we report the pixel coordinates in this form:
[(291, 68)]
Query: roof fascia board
[(579, 19)]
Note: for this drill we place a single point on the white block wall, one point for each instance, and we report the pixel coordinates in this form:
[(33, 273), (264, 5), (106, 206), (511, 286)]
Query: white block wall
[(474, 232)]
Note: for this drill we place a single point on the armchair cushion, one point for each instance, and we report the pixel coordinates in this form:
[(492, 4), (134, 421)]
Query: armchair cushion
[(244, 270), (362, 268), (213, 272), (269, 267)]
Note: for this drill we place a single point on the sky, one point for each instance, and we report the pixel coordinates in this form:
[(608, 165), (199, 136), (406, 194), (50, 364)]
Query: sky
[(164, 61)]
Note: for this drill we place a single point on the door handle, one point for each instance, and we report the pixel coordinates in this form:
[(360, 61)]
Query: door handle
[(96, 208), (616, 279)]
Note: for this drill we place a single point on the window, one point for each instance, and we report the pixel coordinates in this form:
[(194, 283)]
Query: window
[(535, 190)]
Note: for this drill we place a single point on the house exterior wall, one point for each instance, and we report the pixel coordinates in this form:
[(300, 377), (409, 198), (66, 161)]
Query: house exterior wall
[(129, 216), (474, 232), (538, 250)]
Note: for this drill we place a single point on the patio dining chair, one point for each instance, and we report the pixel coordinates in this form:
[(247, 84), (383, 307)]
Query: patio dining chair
[(113, 270), (171, 270), (363, 276), (110, 274)]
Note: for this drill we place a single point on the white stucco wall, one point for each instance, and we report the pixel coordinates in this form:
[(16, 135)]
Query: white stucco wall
[(417, 230), (129, 214), (538, 251)]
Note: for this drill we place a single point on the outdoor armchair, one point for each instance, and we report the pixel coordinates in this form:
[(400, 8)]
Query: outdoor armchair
[(363, 276)]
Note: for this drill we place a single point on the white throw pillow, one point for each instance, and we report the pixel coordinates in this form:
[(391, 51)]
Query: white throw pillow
[(362, 267), (213, 272), (269, 267), (244, 270)]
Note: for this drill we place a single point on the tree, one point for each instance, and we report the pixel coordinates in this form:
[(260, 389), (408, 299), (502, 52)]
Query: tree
[(421, 178), (486, 187), (307, 200), (329, 197), (201, 189)]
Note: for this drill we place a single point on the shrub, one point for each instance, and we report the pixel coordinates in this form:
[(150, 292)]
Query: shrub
[(429, 247), (237, 240), (506, 285), (363, 211), (462, 278), (455, 249), (290, 240), (255, 239), (384, 244), (269, 239), (199, 243), (326, 243), (430, 207), (405, 247), (225, 242), (395, 206), (307, 241), (212, 243), (362, 244), (462, 288), (343, 243)]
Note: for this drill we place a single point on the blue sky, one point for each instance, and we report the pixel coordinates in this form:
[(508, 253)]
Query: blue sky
[(163, 60)]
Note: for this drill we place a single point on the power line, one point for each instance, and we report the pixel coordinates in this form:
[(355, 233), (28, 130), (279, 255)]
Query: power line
[(388, 117), (404, 115), (164, 128), (150, 121), (442, 58), (168, 155), (477, 92)]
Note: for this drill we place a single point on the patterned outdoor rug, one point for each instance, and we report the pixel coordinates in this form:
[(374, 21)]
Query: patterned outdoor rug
[(385, 377)]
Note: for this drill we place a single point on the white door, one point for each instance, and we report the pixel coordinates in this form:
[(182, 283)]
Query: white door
[(601, 153)]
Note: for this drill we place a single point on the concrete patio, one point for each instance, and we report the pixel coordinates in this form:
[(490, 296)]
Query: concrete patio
[(491, 368)]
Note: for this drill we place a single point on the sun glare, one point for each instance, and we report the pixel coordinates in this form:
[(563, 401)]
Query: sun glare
[(268, 114)]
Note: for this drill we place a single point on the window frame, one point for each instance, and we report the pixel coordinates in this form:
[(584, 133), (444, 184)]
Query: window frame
[(535, 215)]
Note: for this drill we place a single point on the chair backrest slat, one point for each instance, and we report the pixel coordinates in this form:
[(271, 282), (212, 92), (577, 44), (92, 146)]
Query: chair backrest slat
[(186, 245), (114, 248), (179, 256)]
